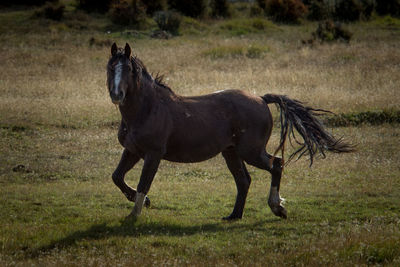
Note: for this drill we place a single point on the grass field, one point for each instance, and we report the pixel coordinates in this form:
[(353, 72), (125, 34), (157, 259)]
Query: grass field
[(58, 148)]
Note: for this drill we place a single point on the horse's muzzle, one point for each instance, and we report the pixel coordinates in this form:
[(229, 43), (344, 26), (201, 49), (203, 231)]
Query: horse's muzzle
[(117, 98)]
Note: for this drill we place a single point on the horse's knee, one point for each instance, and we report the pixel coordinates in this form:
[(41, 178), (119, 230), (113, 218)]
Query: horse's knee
[(116, 177)]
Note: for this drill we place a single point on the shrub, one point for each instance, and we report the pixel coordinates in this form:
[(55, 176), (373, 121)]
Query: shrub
[(317, 10), (286, 10), (54, 11), (128, 13), (221, 52), (191, 8), (262, 4), (369, 7), (330, 31), (25, 2), (220, 8), (153, 6), (168, 21), (101, 6), (388, 7), (350, 10), (256, 10)]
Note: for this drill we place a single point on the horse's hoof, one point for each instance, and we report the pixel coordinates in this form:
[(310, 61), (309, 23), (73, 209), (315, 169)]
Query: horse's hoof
[(147, 202), (131, 218), (280, 212), (231, 218)]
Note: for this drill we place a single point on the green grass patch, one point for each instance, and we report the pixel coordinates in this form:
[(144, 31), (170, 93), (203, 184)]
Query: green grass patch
[(387, 21), (244, 26), (366, 117), (192, 26), (62, 208)]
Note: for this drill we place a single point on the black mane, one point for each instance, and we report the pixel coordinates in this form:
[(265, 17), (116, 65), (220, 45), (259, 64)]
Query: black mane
[(158, 79)]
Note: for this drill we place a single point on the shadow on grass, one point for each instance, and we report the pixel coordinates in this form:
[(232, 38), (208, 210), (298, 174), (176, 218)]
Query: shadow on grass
[(130, 227)]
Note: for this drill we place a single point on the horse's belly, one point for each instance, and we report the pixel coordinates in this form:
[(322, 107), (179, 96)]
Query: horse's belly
[(196, 150), (189, 158)]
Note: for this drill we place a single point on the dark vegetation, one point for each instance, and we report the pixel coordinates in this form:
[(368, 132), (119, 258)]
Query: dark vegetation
[(168, 21), (367, 117), (388, 7), (125, 12), (153, 6), (220, 8), (25, 2), (51, 10), (168, 14), (329, 31), (191, 8), (101, 6), (289, 11)]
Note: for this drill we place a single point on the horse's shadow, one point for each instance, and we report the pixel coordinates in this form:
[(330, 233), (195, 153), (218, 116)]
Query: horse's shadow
[(130, 227)]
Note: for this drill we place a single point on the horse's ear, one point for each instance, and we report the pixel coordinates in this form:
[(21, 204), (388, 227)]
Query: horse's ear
[(114, 49), (127, 50)]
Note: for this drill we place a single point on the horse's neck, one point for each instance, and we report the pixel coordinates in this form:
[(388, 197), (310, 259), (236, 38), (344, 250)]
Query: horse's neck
[(137, 102)]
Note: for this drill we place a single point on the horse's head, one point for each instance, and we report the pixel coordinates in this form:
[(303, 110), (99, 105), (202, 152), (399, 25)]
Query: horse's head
[(120, 73)]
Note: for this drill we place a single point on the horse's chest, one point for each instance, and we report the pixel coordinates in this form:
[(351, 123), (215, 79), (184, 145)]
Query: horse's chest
[(142, 141)]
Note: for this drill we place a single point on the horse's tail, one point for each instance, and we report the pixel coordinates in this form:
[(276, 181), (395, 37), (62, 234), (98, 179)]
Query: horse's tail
[(293, 114)]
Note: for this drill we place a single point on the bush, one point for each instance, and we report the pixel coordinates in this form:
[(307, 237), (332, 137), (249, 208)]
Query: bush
[(388, 7), (25, 2), (221, 52), (369, 7), (262, 4), (101, 6), (54, 11), (350, 10), (153, 6), (286, 10), (191, 8), (318, 10), (128, 13), (168, 21), (220, 8), (256, 10), (330, 31)]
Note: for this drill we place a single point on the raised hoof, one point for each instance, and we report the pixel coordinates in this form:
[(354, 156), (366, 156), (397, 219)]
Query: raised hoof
[(231, 218), (280, 211)]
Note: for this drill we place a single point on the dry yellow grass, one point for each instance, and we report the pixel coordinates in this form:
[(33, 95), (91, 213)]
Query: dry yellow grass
[(57, 78)]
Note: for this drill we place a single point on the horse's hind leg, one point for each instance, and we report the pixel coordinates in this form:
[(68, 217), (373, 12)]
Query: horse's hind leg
[(242, 180), (128, 160), (274, 199), (274, 166)]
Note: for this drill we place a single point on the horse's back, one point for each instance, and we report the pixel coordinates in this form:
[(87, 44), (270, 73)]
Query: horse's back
[(206, 125)]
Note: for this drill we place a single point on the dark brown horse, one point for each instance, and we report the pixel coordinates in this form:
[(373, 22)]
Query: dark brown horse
[(158, 124)]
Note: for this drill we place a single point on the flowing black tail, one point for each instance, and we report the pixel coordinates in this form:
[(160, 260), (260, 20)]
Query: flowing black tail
[(293, 114)]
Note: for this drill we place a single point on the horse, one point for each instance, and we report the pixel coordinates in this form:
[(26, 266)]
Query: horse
[(157, 124)]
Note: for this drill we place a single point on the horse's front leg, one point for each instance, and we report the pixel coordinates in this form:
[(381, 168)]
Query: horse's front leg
[(150, 166), (128, 160)]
